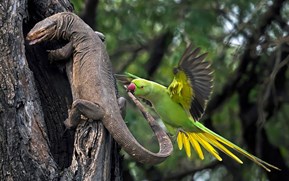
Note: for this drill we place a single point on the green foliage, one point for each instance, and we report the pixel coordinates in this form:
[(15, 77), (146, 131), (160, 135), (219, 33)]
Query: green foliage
[(78, 5), (276, 128), (221, 27)]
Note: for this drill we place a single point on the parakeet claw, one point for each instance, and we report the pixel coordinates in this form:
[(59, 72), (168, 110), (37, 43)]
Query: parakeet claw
[(180, 130)]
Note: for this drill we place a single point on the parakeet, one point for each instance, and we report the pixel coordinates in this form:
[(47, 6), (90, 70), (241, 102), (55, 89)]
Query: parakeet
[(182, 104)]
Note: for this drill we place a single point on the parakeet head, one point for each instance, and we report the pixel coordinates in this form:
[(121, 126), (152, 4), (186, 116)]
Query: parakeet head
[(140, 87)]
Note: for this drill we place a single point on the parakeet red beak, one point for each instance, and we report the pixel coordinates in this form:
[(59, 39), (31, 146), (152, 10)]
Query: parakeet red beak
[(131, 87)]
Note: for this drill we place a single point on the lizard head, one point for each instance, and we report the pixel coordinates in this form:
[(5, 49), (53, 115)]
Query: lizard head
[(43, 30)]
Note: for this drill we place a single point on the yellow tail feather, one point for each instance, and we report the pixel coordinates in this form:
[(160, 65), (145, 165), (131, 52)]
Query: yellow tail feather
[(255, 159), (216, 144), (180, 141), (187, 147), (208, 139), (196, 146), (207, 146)]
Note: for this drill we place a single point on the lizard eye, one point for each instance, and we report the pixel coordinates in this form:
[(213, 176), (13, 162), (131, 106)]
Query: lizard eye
[(141, 87)]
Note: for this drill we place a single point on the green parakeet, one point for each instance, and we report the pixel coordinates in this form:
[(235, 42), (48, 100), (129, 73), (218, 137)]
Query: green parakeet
[(182, 104)]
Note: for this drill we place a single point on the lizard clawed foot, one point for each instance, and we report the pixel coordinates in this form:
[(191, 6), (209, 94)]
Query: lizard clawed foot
[(68, 124), (73, 124), (122, 106), (100, 35)]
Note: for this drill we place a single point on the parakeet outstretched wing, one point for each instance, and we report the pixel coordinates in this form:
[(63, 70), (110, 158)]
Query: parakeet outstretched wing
[(192, 83)]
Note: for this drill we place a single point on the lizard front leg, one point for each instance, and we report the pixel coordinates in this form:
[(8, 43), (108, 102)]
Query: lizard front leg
[(66, 51), (63, 54), (60, 54), (83, 107)]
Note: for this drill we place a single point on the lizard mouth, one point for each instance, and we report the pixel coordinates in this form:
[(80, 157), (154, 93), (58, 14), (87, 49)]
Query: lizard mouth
[(41, 35), (39, 38)]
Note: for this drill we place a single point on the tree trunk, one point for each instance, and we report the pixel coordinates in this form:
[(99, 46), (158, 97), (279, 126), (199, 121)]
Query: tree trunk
[(35, 96)]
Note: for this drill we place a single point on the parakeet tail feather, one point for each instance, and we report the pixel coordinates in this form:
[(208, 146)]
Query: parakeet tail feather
[(210, 140)]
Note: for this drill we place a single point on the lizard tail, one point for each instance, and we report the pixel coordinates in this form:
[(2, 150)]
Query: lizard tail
[(210, 140)]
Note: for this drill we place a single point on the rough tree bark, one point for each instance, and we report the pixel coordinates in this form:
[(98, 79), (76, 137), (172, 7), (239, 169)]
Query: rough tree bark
[(34, 99)]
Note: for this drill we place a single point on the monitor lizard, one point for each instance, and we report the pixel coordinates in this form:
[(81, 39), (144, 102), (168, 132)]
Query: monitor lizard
[(93, 84)]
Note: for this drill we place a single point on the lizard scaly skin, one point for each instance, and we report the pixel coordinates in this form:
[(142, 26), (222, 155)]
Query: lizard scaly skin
[(92, 82)]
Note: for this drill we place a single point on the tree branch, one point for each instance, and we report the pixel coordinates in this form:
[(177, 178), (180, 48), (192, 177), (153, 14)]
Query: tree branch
[(249, 56), (89, 13), (158, 49)]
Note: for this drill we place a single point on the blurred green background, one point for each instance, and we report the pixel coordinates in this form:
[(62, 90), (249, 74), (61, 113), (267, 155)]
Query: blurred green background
[(247, 45)]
